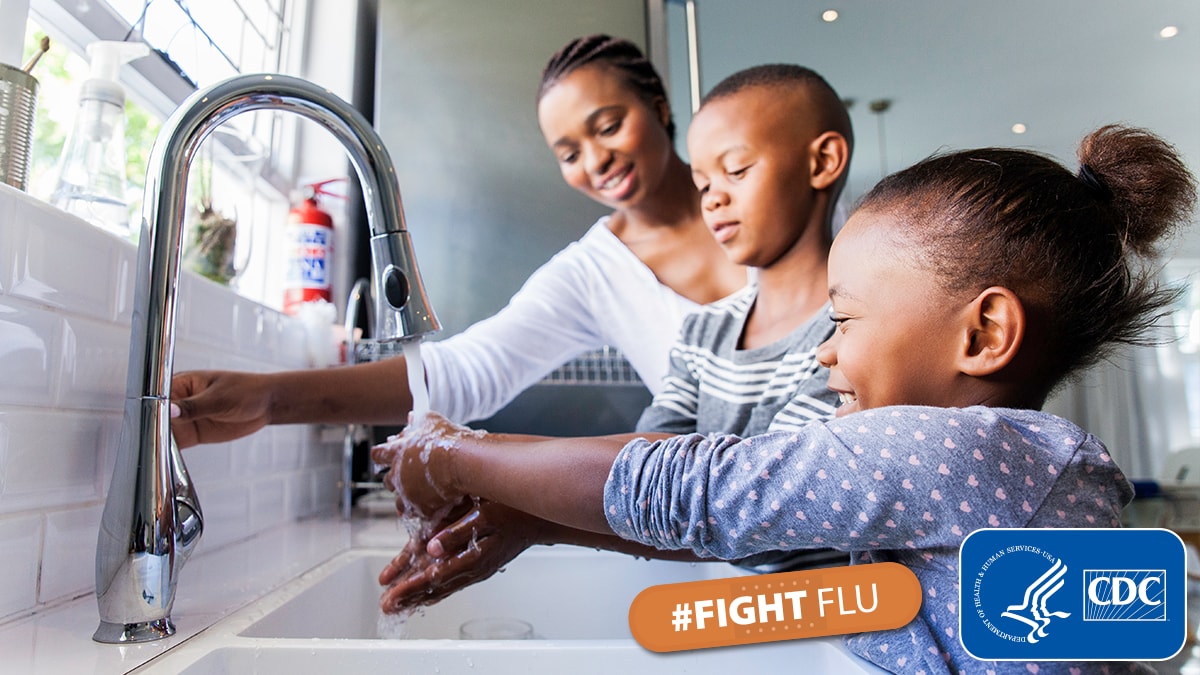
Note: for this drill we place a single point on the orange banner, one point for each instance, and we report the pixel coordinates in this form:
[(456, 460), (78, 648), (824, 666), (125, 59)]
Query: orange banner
[(771, 607)]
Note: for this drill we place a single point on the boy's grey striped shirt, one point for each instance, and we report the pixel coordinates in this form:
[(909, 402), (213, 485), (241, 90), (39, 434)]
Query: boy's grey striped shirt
[(714, 387)]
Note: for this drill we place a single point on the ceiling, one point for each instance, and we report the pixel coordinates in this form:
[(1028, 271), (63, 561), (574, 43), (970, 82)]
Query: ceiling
[(961, 73)]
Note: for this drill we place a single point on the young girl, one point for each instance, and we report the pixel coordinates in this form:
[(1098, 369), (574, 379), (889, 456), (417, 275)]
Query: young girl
[(964, 289)]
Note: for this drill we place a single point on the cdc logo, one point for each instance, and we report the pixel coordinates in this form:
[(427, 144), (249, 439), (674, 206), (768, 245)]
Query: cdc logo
[(1125, 595), (1072, 594)]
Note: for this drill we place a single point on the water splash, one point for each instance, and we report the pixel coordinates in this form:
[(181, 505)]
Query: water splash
[(395, 626)]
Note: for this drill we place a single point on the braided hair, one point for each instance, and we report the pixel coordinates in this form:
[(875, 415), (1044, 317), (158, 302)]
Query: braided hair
[(622, 56)]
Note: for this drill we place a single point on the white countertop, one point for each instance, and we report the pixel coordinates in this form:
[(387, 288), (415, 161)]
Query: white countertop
[(223, 585), (212, 585)]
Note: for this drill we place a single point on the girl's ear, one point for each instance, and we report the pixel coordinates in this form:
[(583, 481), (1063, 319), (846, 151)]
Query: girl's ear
[(830, 155), (995, 323)]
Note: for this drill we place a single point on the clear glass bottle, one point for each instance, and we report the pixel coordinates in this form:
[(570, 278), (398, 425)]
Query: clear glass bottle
[(91, 171)]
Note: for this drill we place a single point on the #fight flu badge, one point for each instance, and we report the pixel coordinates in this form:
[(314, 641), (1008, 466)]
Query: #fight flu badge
[(1073, 594)]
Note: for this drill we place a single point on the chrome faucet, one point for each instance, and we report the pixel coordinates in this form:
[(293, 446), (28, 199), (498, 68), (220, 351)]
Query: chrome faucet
[(152, 519)]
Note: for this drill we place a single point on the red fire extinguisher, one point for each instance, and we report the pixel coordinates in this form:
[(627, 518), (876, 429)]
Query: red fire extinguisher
[(309, 245)]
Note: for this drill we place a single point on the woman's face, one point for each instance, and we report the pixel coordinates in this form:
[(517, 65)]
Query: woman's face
[(610, 144)]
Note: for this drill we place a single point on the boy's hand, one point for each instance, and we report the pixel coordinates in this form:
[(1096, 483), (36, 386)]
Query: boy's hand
[(464, 551)]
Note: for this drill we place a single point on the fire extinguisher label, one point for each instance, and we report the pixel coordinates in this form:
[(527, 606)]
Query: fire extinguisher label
[(308, 263)]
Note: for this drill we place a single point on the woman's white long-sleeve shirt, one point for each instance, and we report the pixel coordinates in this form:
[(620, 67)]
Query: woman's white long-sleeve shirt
[(593, 293)]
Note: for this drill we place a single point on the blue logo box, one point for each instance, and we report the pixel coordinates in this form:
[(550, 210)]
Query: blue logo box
[(1073, 594)]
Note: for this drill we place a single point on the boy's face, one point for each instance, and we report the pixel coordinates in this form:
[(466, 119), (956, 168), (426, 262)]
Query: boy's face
[(750, 155), (895, 339), (610, 144)]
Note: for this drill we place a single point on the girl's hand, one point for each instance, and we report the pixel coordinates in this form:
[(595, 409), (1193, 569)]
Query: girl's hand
[(421, 472), (465, 551)]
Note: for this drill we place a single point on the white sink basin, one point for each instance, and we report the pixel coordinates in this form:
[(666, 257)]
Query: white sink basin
[(565, 593), (577, 601)]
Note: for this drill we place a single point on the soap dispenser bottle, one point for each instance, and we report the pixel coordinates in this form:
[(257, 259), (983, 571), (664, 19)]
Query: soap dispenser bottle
[(91, 171)]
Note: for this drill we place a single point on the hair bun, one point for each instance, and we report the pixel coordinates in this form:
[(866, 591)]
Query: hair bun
[(1152, 193)]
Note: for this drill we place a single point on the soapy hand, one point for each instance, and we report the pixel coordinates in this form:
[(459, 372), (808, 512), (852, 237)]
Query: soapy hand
[(419, 458), (466, 548)]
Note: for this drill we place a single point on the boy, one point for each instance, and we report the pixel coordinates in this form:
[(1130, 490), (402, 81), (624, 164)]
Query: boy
[(769, 147)]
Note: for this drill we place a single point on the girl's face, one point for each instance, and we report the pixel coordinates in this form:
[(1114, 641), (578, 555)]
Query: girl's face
[(750, 161), (896, 340), (610, 144)]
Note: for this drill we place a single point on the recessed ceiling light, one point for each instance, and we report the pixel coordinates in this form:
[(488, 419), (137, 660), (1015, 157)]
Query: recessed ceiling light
[(1018, 128), (829, 15), (1168, 32)]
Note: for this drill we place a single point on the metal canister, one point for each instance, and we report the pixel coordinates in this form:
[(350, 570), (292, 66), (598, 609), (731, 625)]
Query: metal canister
[(18, 102)]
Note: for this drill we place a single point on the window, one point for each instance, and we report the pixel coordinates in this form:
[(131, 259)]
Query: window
[(209, 41), (193, 44), (1180, 358)]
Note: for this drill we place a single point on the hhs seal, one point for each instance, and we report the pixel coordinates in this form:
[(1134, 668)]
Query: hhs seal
[(1072, 594)]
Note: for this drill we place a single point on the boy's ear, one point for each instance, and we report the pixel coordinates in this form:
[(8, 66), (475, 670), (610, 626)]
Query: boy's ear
[(994, 330), (830, 155)]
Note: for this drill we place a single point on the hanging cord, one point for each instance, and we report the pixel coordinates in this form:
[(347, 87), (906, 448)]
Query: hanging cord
[(141, 18), (140, 26)]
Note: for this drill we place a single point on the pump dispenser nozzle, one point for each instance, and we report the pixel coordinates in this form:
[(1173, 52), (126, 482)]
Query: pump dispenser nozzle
[(91, 172)]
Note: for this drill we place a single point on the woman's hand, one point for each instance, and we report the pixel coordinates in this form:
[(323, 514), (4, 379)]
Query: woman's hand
[(467, 548), (420, 461), (216, 406)]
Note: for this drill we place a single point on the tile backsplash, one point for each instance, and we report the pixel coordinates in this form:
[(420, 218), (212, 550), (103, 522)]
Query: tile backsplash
[(66, 290)]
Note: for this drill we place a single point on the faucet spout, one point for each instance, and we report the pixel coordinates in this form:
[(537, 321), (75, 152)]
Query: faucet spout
[(152, 518)]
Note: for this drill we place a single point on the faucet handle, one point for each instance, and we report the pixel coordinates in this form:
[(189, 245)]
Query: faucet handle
[(395, 285), (189, 519)]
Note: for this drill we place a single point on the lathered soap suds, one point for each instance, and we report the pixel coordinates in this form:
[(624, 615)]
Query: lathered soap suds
[(428, 432)]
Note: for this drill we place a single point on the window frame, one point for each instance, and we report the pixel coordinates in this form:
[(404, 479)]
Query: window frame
[(156, 84)]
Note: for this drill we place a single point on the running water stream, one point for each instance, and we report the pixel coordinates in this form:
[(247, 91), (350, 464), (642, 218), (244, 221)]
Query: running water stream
[(421, 429), (416, 378), (393, 625)]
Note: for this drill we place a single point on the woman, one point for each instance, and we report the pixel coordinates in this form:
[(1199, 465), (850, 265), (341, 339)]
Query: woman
[(627, 283)]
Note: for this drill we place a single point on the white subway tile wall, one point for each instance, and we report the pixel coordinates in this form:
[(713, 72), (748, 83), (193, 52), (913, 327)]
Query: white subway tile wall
[(66, 291), (8, 246), (21, 541), (62, 577)]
